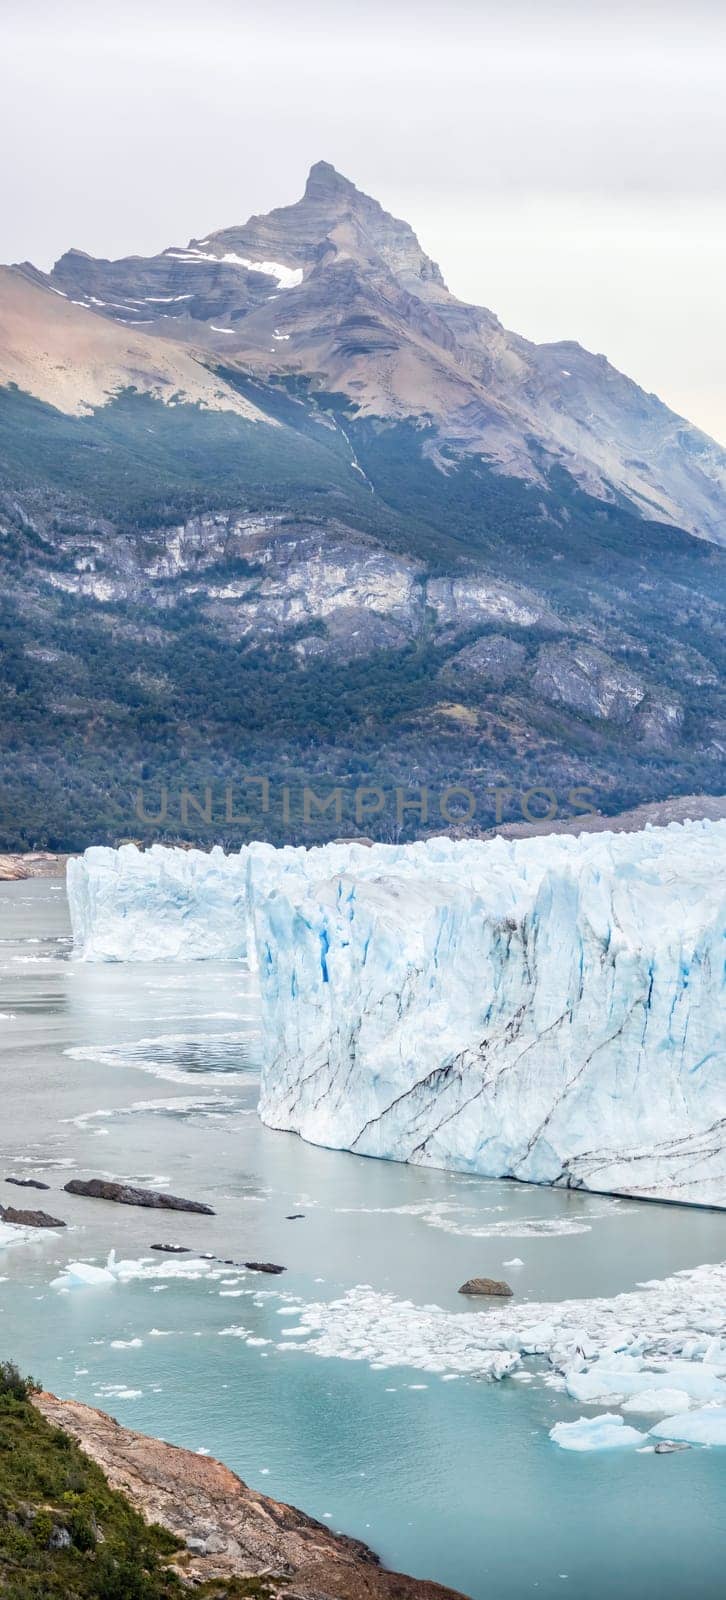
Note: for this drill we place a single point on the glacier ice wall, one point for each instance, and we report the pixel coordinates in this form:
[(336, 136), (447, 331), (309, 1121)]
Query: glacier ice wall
[(170, 904), (158, 905), (548, 1009)]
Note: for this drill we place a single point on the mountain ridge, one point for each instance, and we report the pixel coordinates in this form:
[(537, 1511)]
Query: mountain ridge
[(332, 287), (294, 556)]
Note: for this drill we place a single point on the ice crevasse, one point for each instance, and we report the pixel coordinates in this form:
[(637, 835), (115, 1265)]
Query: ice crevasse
[(550, 1009)]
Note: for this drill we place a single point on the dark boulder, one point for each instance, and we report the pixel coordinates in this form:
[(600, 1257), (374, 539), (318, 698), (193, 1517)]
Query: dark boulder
[(493, 1286), (126, 1195), (29, 1219)]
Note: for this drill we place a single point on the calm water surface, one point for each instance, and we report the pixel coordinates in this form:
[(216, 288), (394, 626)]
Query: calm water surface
[(451, 1480)]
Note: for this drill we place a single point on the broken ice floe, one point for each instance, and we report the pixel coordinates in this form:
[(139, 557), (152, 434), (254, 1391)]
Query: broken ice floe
[(607, 1432)]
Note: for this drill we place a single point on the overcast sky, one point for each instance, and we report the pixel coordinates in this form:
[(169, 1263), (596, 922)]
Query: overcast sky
[(563, 160)]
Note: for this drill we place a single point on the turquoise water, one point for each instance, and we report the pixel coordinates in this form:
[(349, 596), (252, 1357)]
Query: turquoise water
[(451, 1480)]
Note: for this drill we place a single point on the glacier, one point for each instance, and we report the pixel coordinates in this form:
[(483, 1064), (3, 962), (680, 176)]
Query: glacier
[(161, 904), (548, 1009)]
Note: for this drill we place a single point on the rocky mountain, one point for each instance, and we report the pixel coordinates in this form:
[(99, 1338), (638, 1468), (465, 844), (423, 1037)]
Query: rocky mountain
[(52, 348), (276, 502), (334, 289)]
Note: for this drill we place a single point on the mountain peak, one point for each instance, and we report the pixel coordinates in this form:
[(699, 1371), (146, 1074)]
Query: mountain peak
[(324, 181)]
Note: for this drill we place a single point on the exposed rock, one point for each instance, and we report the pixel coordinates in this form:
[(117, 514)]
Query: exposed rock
[(587, 681), (172, 1249), (493, 660), (295, 1216), (229, 1529), (263, 1266), (28, 1183), (34, 864), (29, 1219), (659, 722), (495, 1286), (12, 869), (60, 1538), (126, 1195), (463, 602)]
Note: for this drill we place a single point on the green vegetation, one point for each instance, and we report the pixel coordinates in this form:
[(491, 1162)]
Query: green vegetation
[(100, 697), (64, 1534)]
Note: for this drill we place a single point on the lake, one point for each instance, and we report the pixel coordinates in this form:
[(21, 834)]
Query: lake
[(149, 1073)]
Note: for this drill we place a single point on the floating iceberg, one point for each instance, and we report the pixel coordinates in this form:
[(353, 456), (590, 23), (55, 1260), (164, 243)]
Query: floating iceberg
[(84, 1275), (607, 1432), (707, 1426), (548, 1009)]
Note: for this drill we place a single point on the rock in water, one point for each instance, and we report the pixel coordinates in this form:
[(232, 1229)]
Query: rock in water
[(27, 1183), (29, 1219), (172, 1249), (126, 1195), (486, 1286), (263, 1266)]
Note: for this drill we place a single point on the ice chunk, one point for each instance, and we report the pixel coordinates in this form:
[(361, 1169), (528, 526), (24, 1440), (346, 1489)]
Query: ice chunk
[(617, 1381), (82, 1275), (13, 1233), (364, 1325), (656, 1401), (606, 1432), (707, 1426)]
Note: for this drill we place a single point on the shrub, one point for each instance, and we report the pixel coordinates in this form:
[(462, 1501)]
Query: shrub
[(13, 1384)]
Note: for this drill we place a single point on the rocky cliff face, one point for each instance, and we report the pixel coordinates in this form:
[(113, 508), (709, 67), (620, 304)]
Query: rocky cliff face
[(334, 289), (228, 1530)]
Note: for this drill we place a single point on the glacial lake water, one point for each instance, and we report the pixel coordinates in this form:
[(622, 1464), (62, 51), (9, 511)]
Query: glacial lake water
[(149, 1073)]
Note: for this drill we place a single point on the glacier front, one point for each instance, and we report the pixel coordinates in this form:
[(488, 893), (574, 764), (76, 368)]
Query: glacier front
[(157, 905), (548, 1009)]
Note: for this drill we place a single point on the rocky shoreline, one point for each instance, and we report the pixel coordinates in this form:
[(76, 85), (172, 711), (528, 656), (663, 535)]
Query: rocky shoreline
[(35, 864), (228, 1530)]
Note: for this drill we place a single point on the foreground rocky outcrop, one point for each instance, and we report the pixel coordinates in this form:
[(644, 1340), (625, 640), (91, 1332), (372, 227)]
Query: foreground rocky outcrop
[(229, 1530)]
